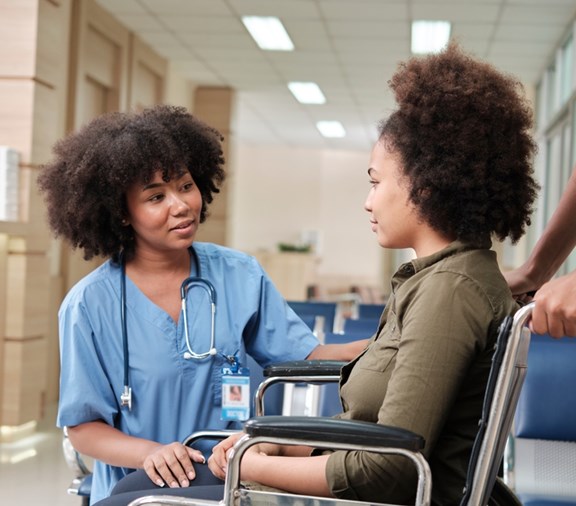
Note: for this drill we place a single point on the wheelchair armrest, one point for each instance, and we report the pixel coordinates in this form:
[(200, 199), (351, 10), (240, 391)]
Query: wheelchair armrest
[(207, 434), (304, 368), (332, 430), (296, 371)]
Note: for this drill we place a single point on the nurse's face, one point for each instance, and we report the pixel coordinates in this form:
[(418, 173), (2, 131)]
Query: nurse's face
[(164, 215), (392, 216)]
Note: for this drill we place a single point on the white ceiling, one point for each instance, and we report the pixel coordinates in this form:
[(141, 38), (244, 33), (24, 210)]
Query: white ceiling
[(349, 47)]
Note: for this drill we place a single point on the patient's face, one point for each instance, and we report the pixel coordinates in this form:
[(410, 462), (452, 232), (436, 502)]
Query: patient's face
[(392, 216)]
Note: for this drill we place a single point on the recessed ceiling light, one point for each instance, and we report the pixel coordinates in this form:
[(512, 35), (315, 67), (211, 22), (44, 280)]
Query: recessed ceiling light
[(268, 32), (331, 128), (429, 36), (307, 92)]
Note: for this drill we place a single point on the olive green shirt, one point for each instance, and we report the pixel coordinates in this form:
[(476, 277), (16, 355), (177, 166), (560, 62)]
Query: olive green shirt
[(425, 370)]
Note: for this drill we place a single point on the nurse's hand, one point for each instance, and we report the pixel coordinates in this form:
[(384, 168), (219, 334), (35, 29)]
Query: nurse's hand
[(171, 465)]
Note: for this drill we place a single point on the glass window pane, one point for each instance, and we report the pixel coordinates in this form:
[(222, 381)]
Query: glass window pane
[(551, 91), (567, 56)]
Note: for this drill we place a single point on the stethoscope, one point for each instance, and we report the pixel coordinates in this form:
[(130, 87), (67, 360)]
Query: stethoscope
[(187, 284)]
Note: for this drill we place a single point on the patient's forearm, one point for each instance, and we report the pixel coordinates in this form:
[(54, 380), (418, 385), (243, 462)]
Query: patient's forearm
[(299, 475)]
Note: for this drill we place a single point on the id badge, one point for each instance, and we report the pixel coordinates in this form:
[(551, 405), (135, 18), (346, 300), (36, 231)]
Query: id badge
[(235, 393)]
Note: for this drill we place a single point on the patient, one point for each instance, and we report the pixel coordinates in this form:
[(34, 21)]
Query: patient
[(451, 168)]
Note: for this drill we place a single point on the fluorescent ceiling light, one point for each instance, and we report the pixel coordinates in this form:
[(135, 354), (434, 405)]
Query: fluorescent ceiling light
[(331, 128), (429, 36), (307, 93), (268, 32)]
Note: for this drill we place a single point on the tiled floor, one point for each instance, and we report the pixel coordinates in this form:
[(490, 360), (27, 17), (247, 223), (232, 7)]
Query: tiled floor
[(33, 471)]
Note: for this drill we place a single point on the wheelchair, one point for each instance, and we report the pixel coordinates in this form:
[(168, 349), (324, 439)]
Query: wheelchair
[(483, 486)]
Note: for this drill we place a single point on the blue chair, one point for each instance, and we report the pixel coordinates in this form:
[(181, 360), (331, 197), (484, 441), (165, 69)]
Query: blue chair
[(544, 436), (361, 327), (325, 309), (370, 310), (329, 394)]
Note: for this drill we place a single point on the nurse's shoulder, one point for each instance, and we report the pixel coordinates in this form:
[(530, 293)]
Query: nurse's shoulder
[(211, 255), (102, 282)]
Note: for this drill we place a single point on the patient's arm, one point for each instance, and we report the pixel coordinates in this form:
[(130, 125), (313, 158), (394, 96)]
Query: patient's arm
[(267, 463)]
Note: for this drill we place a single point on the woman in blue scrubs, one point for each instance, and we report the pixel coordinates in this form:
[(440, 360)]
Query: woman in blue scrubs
[(134, 188)]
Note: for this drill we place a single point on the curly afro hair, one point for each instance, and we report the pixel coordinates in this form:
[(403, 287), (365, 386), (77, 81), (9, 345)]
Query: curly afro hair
[(462, 130), (86, 183)]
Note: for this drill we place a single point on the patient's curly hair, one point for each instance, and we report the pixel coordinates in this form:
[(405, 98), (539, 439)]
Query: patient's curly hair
[(462, 130), (86, 183)]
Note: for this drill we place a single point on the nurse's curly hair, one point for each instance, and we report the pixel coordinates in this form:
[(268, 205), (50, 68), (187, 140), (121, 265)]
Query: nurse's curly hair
[(85, 185), (463, 133)]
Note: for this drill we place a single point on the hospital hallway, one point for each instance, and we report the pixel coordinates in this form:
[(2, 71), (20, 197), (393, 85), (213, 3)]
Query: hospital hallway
[(33, 470)]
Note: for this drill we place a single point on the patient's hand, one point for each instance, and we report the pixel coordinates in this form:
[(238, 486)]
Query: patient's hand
[(219, 459), (171, 464), (218, 462)]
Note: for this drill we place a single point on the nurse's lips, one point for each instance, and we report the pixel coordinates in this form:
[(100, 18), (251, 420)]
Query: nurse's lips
[(183, 225)]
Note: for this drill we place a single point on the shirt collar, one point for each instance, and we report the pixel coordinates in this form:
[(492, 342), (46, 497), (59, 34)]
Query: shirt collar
[(410, 268)]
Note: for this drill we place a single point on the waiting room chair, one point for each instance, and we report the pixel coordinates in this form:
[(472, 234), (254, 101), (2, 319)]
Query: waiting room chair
[(370, 310), (361, 327), (326, 309), (482, 487), (543, 443)]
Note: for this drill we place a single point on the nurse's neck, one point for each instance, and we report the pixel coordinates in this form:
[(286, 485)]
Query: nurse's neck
[(155, 263)]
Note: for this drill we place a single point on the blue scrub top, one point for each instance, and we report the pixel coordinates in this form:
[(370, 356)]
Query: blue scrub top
[(171, 396)]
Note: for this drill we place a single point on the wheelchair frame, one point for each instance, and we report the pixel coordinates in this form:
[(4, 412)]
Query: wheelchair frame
[(504, 385)]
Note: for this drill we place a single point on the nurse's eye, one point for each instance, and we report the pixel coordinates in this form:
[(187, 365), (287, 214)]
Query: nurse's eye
[(188, 186), (373, 182), (157, 197)]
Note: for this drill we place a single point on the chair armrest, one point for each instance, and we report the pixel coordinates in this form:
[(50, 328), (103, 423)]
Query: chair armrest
[(304, 368), (332, 430)]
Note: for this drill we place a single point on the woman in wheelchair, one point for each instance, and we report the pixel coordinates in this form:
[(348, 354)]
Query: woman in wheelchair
[(134, 188), (450, 170)]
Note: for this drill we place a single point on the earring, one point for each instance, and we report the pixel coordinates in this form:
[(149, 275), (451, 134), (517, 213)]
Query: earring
[(124, 222)]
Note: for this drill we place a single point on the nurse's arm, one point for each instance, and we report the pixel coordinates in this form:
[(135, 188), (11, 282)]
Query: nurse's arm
[(164, 464), (346, 352)]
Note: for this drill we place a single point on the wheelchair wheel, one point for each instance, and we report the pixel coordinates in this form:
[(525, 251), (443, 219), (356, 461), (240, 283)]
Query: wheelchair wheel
[(502, 495)]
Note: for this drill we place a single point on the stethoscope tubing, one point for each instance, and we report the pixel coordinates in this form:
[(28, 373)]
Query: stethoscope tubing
[(187, 284)]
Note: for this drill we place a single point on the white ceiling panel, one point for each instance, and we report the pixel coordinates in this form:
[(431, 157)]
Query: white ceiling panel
[(350, 47)]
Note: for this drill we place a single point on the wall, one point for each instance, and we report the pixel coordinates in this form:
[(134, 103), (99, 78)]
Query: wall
[(278, 193), (62, 62), (34, 43)]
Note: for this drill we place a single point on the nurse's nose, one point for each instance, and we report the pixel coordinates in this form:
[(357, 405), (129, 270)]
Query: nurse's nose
[(178, 205)]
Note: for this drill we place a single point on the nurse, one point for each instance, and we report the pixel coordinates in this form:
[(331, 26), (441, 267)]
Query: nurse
[(134, 188)]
